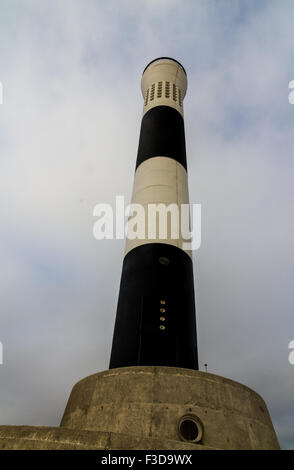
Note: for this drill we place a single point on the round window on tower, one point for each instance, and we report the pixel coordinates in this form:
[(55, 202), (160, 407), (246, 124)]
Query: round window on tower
[(190, 428)]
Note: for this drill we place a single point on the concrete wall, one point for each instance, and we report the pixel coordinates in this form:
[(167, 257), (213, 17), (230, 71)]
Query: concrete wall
[(142, 407), (150, 401), (54, 438)]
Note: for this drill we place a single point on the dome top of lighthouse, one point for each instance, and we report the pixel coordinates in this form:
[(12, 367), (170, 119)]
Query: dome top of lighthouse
[(164, 58)]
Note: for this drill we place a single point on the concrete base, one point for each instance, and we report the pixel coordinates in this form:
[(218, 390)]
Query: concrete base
[(153, 408)]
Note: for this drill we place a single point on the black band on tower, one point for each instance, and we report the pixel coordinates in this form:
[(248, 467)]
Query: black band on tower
[(155, 320), (162, 134)]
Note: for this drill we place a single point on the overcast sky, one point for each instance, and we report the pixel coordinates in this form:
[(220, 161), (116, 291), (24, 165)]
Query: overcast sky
[(69, 130)]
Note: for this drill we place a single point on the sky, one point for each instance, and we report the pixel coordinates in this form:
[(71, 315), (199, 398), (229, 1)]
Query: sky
[(69, 131)]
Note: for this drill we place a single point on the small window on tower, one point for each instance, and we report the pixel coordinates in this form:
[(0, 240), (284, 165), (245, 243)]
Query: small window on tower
[(152, 92), (190, 428), (159, 90), (180, 98), (163, 260), (174, 92), (167, 89), (147, 96)]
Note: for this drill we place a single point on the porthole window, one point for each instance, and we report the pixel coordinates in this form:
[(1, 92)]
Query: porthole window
[(190, 428)]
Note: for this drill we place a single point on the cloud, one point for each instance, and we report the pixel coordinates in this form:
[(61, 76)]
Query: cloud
[(69, 132)]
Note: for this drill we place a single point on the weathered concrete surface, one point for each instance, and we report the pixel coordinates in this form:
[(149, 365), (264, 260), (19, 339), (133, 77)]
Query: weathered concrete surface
[(149, 401), (51, 438), (140, 408)]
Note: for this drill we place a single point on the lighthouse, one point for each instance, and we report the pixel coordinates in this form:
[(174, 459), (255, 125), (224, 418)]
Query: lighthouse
[(153, 397), (155, 319)]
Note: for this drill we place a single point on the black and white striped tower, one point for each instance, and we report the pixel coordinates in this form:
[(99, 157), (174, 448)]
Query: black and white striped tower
[(155, 320), (140, 404)]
